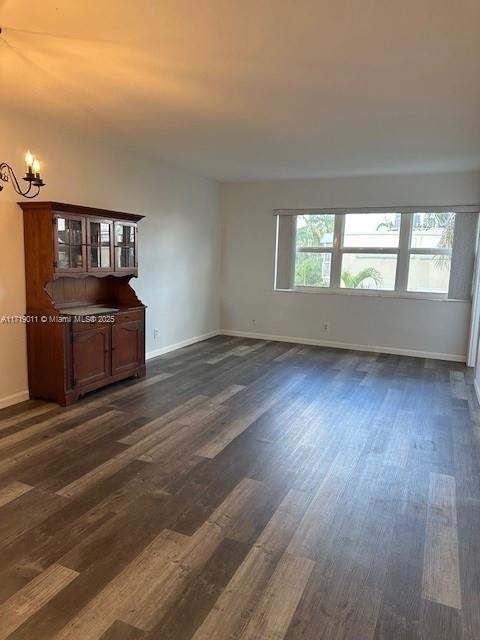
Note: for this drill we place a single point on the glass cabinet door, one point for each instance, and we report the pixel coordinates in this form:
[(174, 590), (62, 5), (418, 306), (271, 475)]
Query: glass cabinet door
[(125, 246), (69, 243), (100, 242)]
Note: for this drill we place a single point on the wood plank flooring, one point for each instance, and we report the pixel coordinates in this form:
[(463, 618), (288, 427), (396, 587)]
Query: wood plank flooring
[(247, 490)]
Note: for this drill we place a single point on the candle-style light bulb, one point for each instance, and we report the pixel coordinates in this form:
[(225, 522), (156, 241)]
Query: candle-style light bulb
[(36, 166), (29, 159)]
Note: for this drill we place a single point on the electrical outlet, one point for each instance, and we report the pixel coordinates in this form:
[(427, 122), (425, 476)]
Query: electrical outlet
[(325, 326), (156, 333)]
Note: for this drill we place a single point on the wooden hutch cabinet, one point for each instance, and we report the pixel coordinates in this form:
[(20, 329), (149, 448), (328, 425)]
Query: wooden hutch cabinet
[(86, 325)]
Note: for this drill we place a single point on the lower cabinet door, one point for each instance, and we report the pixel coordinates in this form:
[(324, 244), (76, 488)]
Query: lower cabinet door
[(127, 346), (91, 356)]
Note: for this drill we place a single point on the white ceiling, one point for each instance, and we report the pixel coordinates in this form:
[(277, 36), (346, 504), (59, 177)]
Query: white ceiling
[(253, 89)]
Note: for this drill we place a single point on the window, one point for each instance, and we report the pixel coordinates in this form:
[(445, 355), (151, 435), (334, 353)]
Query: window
[(430, 252), (389, 252), (313, 250), (369, 247)]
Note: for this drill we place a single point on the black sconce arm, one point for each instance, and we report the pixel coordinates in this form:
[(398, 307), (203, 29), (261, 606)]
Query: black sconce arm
[(7, 174)]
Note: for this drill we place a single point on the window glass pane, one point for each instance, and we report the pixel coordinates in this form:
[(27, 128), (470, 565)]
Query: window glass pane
[(119, 232), (368, 271), (94, 232), (429, 273), (95, 256), (125, 257), (63, 258), (312, 269), (76, 257), (105, 233), (131, 256), (105, 256), (432, 230), (120, 257), (125, 234), (75, 232), (315, 230), (61, 231), (372, 230)]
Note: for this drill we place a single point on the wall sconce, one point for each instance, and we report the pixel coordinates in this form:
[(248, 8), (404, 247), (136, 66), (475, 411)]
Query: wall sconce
[(32, 177)]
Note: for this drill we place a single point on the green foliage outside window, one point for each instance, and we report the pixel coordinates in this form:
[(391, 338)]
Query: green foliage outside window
[(312, 269), (315, 230), (360, 279)]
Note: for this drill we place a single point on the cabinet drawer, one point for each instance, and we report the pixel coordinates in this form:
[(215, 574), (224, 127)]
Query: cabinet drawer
[(129, 316)]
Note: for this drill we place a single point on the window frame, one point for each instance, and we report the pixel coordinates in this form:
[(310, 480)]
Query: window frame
[(403, 251)]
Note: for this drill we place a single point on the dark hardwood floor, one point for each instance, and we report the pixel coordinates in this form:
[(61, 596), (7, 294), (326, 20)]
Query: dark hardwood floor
[(247, 490)]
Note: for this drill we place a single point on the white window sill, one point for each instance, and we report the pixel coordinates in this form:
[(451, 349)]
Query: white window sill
[(437, 297)]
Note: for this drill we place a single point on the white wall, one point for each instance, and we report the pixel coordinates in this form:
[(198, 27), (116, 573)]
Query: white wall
[(180, 250), (179, 265), (249, 304)]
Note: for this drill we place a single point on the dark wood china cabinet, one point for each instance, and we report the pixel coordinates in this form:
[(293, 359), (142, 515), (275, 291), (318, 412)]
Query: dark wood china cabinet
[(86, 325)]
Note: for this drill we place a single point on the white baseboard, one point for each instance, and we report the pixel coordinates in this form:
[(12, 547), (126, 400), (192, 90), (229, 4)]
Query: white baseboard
[(14, 399), (345, 345), (178, 345)]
